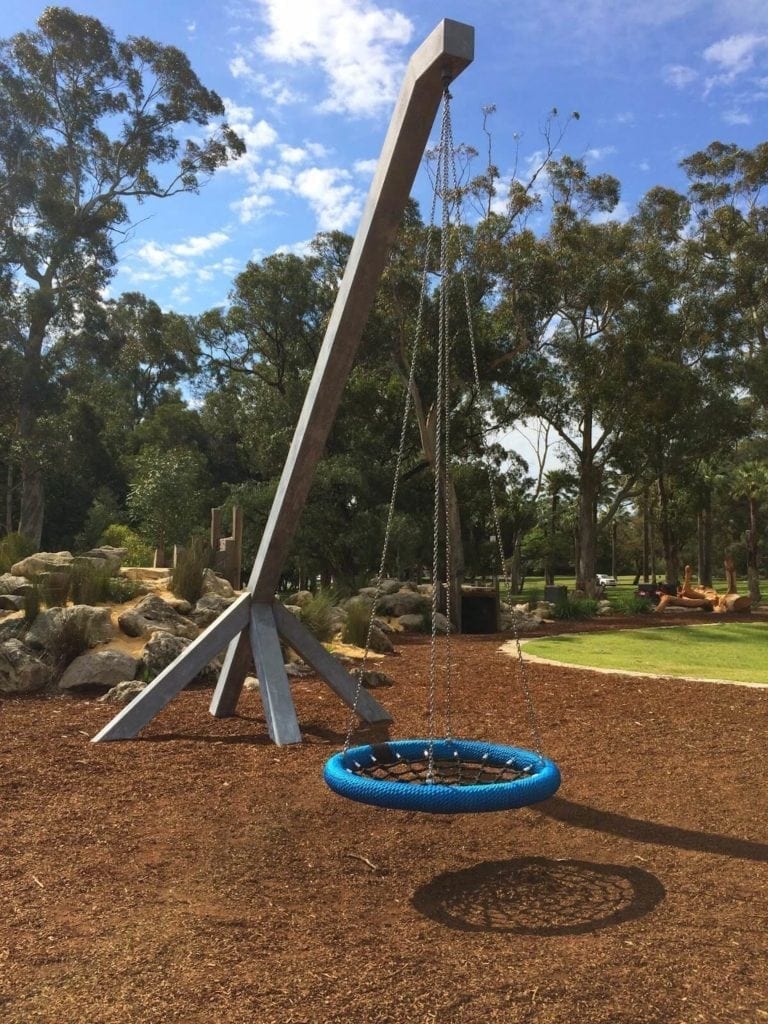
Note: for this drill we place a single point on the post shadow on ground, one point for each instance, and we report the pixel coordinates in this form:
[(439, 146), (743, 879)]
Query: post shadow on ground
[(539, 896), (641, 831)]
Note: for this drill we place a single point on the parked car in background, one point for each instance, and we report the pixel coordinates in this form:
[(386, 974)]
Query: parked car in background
[(605, 581)]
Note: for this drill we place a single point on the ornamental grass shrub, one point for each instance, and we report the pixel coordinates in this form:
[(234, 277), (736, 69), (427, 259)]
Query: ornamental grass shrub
[(355, 629), (89, 583), (317, 615), (191, 563), (14, 547)]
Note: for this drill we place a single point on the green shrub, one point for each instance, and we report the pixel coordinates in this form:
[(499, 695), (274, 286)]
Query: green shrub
[(89, 583), (14, 547), (575, 608), (191, 563), (120, 589), (355, 629), (317, 615), (630, 604), (120, 536)]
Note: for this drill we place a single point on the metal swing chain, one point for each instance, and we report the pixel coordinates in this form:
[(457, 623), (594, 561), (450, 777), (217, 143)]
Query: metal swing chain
[(442, 454), (398, 467), (530, 707)]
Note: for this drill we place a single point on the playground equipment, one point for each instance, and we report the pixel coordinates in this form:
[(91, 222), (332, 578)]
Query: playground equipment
[(445, 774), (252, 624)]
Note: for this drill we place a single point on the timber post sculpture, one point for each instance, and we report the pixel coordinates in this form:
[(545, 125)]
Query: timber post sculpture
[(254, 622), (707, 598)]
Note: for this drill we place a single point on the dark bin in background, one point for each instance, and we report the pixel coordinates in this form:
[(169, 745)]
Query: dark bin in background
[(479, 610), (556, 595)]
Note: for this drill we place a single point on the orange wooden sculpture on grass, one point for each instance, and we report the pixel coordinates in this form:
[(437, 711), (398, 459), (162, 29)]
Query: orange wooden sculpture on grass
[(706, 598)]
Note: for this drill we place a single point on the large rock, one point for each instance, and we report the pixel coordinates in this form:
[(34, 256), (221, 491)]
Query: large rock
[(11, 603), (95, 623), (123, 692), (16, 585), (213, 584), (99, 668), (413, 623), (163, 648), (209, 608), (21, 669), (404, 602), (373, 680), (300, 598), (152, 614), (380, 642), (423, 623), (43, 561), (108, 558)]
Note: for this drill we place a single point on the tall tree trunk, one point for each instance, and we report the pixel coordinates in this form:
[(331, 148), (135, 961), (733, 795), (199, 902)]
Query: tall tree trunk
[(704, 537), (426, 426), (753, 554), (515, 568), (646, 535), (9, 495), (589, 482), (671, 554), (30, 400)]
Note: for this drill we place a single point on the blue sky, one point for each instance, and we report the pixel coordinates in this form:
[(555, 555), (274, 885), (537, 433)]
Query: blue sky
[(310, 85)]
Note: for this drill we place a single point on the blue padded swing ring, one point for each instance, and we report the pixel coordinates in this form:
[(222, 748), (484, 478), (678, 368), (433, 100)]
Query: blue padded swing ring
[(458, 776)]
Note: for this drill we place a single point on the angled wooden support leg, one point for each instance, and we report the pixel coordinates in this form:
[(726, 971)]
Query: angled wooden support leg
[(175, 677), (274, 687), (339, 680), (229, 685)]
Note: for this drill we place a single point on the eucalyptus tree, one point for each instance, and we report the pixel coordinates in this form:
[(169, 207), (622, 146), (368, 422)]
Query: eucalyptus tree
[(561, 300), (259, 355), (679, 333), (89, 127)]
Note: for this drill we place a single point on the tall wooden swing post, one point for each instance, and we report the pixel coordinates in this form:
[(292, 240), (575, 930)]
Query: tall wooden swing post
[(253, 624)]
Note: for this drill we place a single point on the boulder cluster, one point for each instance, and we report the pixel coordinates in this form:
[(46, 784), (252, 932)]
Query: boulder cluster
[(59, 646), (64, 646)]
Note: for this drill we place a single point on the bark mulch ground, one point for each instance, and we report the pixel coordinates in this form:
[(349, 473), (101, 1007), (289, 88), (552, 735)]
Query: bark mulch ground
[(200, 874)]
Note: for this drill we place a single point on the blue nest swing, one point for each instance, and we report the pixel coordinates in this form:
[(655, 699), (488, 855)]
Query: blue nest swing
[(441, 776), (445, 776)]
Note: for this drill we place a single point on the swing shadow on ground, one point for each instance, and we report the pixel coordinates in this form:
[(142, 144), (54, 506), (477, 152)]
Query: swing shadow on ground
[(539, 896), (641, 831)]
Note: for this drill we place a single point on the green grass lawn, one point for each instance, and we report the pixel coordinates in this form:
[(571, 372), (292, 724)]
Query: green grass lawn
[(728, 650)]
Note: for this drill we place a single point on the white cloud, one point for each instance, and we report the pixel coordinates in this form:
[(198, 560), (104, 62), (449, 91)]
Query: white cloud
[(295, 248), (365, 167), (293, 154), (275, 89), (198, 244), (621, 212), (152, 260), (735, 54), (355, 43), (258, 135), (736, 117), (336, 202), (597, 153), (252, 206), (679, 75)]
